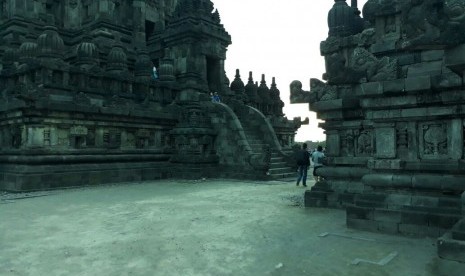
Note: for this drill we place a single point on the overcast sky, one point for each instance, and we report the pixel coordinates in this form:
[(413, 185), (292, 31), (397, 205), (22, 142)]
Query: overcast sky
[(279, 39)]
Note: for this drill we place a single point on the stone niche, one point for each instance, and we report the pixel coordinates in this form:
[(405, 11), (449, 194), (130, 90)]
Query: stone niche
[(78, 137)]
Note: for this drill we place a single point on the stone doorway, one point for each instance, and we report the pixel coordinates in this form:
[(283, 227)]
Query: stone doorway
[(213, 74), (149, 28)]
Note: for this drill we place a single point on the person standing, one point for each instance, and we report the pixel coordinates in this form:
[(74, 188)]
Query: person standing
[(154, 73), (317, 158), (303, 161)]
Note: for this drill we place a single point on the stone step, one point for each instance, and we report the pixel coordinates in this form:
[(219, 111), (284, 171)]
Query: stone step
[(277, 159), (280, 170), (282, 175), (261, 145), (274, 165), (258, 147), (253, 137)]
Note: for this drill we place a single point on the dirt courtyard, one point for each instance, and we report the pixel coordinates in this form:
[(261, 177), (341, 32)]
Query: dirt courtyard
[(187, 227)]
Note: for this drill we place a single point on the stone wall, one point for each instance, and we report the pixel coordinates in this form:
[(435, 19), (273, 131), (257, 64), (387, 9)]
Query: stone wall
[(391, 101)]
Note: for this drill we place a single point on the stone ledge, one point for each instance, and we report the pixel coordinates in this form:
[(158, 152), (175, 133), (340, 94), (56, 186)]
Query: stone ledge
[(417, 84)]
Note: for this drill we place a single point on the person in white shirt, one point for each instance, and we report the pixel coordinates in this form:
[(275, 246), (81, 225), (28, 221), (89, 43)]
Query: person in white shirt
[(317, 158), (154, 73)]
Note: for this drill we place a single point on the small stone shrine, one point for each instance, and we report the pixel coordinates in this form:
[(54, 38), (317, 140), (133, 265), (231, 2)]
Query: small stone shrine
[(392, 101), (80, 103)]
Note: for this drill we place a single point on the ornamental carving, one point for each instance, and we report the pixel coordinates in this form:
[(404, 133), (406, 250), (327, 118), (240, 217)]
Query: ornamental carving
[(434, 138), (78, 131), (365, 143), (402, 138), (73, 3), (323, 91), (374, 69), (297, 94), (347, 143)]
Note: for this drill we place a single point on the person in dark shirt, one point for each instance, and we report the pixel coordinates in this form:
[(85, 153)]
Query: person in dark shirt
[(303, 161)]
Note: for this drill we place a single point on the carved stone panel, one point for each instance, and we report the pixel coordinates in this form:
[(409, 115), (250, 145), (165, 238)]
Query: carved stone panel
[(364, 143), (347, 143), (333, 143), (112, 138), (433, 139), (35, 136), (385, 142), (90, 137), (78, 131)]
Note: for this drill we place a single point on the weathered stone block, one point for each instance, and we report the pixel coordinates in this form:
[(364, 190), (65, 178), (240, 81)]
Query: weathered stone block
[(333, 144), (424, 69), (445, 267), (385, 142), (406, 59), (356, 212), (432, 55), (416, 218), (399, 199), (387, 215), (417, 84), (454, 58), (449, 203), (385, 164), (425, 201), (388, 227), (419, 230), (455, 136), (451, 249), (362, 224), (371, 89), (384, 46), (370, 204), (458, 231), (442, 220), (315, 199), (445, 81), (346, 198), (463, 203), (394, 86)]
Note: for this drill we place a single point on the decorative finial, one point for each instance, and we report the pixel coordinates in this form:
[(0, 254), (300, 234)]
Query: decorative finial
[(353, 4), (250, 77)]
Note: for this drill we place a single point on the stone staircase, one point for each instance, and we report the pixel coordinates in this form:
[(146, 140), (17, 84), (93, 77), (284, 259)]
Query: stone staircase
[(278, 168)]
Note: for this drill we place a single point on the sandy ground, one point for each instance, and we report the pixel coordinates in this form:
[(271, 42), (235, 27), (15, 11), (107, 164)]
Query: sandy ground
[(211, 227)]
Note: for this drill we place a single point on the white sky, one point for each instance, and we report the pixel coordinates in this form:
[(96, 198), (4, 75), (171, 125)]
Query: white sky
[(279, 39)]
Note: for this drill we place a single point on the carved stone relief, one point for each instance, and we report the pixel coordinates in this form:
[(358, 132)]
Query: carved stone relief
[(77, 141), (323, 91), (297, 94), (374, 69), (112, 138), (433, 140), (63, 137), (73, 3), (90, 137), (347, 143), (402, 137), (364, 143)]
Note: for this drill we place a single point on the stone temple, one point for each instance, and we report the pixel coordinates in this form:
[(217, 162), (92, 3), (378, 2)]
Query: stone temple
[(393, 104), (79, 104)]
